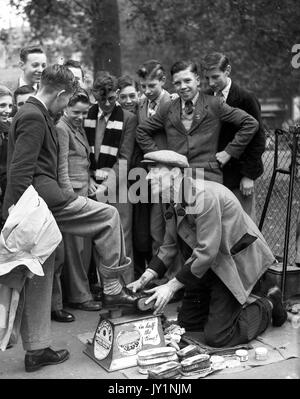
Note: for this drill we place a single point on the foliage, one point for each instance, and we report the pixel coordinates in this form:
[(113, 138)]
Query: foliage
[(74, 26), (257, 35)]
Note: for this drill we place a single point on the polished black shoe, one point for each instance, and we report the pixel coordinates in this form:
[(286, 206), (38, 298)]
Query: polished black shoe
[(126, 298), (279, 314), (62, 316), (46, 357), (89, 306), (98, 297)]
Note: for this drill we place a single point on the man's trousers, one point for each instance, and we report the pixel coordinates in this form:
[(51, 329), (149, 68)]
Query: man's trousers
[(210, 307), (83, 217)]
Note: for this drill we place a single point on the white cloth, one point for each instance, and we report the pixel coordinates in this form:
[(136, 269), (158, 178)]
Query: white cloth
[(9, 300), (29, 236)]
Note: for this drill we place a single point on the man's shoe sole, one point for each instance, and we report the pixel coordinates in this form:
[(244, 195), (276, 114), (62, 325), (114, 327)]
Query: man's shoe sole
[(39, 366), (62, 321), (121, 305), (142, 306)]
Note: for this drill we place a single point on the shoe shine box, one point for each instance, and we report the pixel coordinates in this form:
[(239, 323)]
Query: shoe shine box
[(117, 341), (292, 284)]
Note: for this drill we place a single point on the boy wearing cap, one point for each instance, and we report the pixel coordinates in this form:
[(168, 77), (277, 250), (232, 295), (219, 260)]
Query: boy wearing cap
[(225, 256)]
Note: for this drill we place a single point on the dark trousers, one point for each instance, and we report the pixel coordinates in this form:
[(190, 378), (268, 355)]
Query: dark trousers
[(210, 307)]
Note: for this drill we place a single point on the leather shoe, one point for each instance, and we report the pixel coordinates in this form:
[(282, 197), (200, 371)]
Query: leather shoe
[(97, 297), (62, 316), (46, 357), (125, 298), (89, 306)]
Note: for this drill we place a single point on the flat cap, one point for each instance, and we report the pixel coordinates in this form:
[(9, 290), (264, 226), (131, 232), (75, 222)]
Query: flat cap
[(166, 157)]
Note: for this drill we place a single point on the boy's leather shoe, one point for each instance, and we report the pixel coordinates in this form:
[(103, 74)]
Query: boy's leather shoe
[(124, 298), (89, 306), (46, 357), (62, 316)]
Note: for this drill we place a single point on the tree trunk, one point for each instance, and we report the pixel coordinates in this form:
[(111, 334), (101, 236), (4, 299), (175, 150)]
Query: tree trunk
[(105, 36)]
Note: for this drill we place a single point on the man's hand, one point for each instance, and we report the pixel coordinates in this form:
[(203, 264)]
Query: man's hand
[(145, 278), (162, 295), (223, 157), (92, 187), (174, 96), (101, 193), (247, 186)]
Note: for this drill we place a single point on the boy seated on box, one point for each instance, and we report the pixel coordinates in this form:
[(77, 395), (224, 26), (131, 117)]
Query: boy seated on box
[(225, 253)]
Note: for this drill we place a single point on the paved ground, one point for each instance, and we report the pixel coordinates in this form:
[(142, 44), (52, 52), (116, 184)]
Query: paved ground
[(80, 366)]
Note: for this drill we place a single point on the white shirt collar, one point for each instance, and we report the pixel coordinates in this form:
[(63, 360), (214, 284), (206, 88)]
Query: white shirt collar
[(22, 82), (100, 112), (158, 99), (107, 116), (226, 89), (194, 100)]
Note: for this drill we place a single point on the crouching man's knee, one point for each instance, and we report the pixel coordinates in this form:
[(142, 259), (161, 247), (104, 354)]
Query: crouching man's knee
[(216, 339)]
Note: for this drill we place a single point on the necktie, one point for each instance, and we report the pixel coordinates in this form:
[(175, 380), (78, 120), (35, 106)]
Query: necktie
[(189, 107), (151, 108), (221, 95), (100, 129)]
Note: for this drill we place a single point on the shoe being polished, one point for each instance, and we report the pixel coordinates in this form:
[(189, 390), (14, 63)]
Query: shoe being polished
[(125, 298), (62, 316), (89, 306), (279, 314), (44, 357)]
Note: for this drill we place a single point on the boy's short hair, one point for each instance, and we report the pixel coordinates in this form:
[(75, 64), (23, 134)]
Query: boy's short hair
[(182, 65), (151, 69), (104, 83), (125, 81), (4, 91), (74, 64), (58, 77), (26, 89), (215, 60), (25, 51), (80, 96)]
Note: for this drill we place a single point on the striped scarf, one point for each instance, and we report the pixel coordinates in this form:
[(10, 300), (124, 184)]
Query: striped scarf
[(112, 137)]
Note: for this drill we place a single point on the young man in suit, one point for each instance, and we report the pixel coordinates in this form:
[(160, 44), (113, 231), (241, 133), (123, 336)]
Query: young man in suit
[(111, 134), (152, 78), (238, 174), (33, 159), (192, 124), (33, 61), (219, 242)]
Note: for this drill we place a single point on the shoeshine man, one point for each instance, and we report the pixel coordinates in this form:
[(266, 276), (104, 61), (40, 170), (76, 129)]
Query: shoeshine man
[(225, 256)]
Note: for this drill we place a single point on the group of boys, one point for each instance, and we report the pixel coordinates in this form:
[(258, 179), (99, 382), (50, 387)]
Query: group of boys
[(218, 132)]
